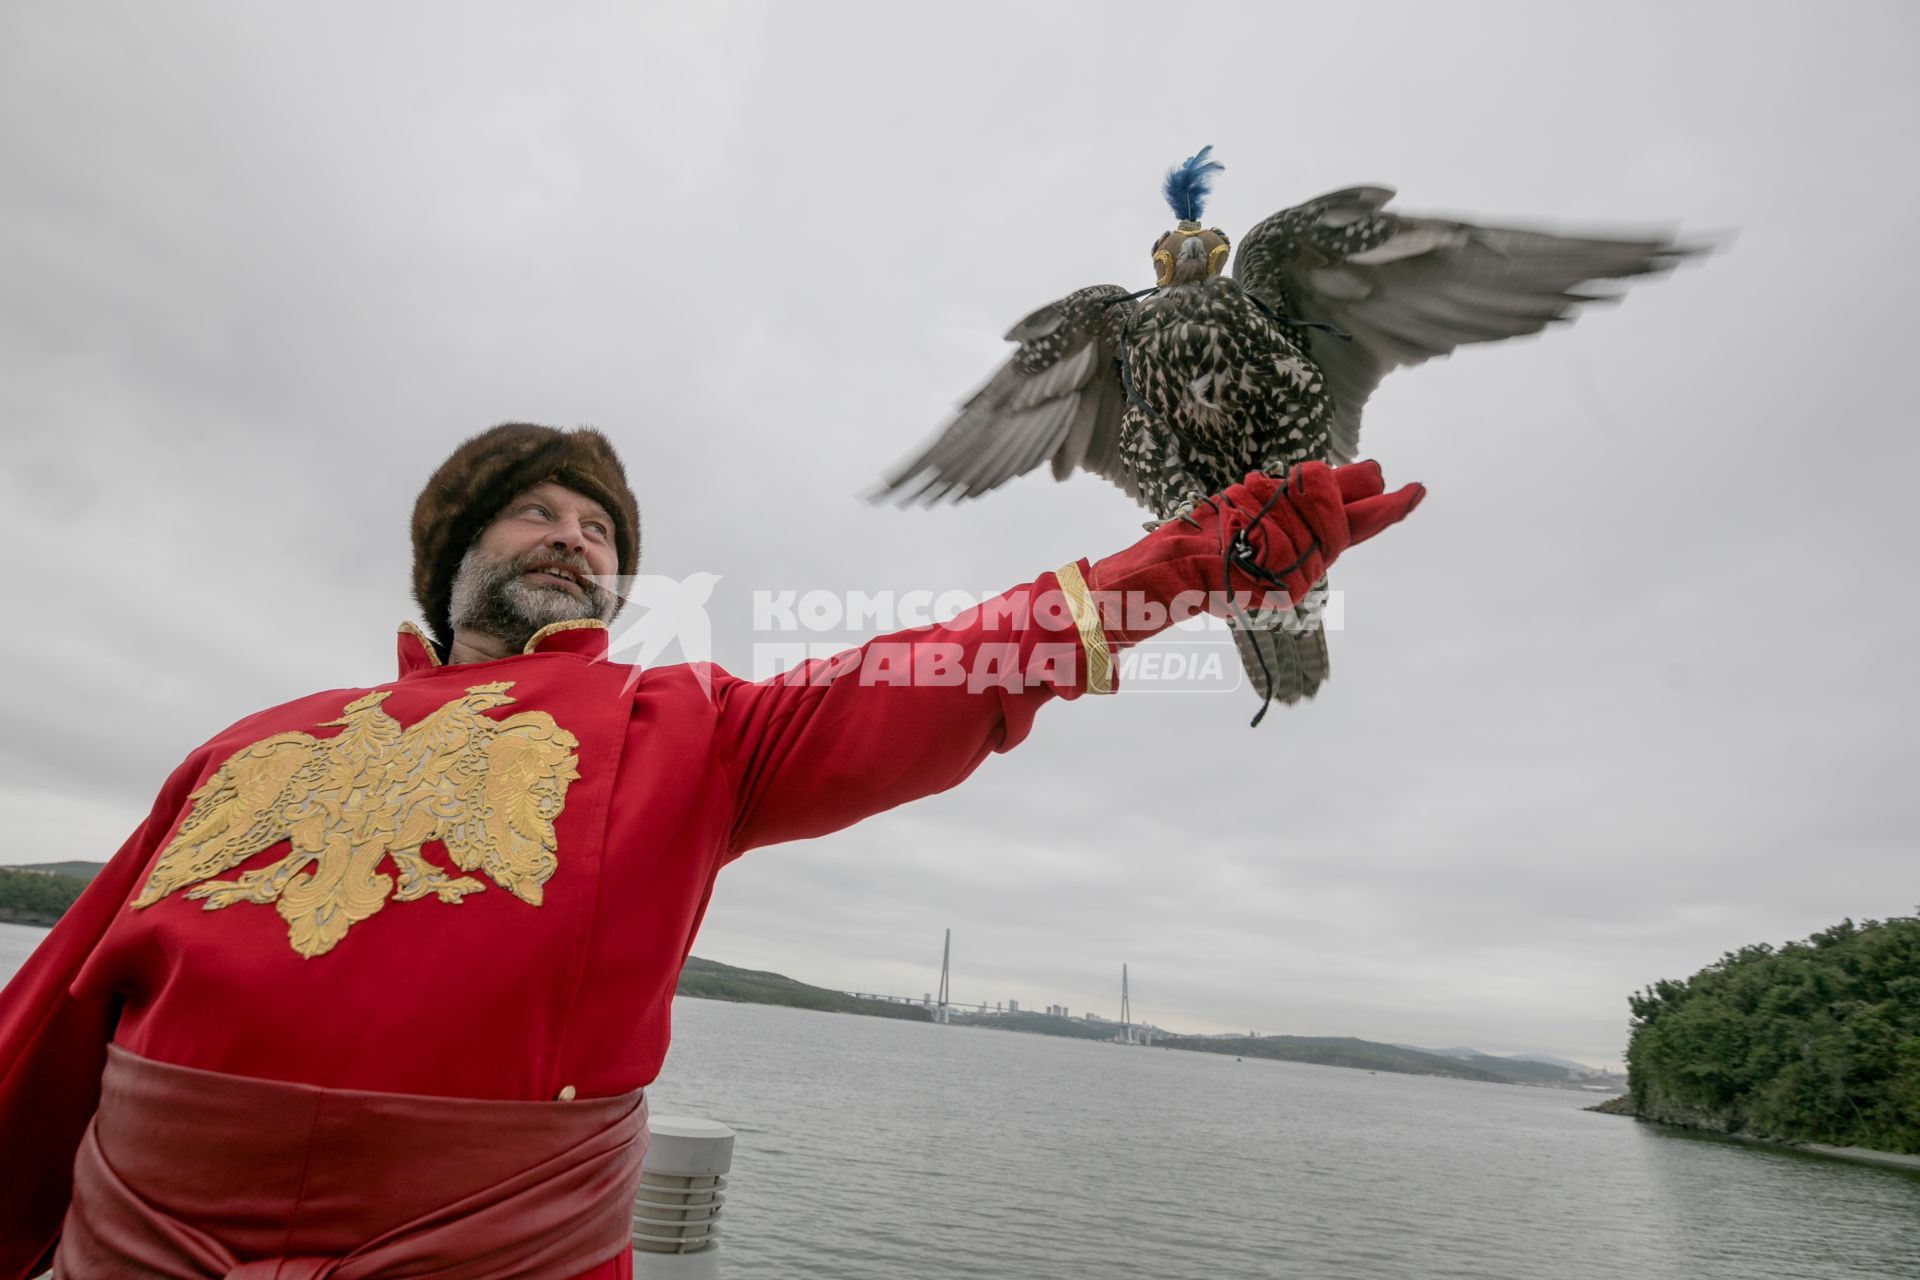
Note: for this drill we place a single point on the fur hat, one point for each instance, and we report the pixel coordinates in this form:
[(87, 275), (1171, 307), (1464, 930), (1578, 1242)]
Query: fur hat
[(485, 474)]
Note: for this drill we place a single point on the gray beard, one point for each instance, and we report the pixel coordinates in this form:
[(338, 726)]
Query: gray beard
[(494, 598)]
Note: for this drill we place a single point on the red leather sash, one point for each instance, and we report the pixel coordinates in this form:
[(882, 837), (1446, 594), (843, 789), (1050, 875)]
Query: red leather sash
[(188, 1173)]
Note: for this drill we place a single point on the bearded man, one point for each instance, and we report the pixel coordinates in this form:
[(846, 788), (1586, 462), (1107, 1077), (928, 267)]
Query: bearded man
[(377, 987)]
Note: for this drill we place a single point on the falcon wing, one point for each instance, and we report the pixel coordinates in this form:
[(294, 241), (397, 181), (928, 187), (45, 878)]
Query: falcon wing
[(1407, 289), (1058, 397), (513, 785), (238, 812)]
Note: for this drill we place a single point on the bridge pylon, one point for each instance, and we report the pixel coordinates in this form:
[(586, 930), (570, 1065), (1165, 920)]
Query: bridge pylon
[(941, 1010)]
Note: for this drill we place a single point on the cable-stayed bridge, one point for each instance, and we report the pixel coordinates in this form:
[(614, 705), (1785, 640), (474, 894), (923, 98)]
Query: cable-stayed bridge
[(942, 1007)]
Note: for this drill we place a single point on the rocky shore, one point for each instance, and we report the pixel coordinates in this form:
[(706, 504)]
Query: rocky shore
[(1700, 1123)]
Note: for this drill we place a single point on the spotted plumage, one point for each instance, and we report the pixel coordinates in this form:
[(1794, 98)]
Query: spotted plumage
[(1176, 392), (1220, 388)]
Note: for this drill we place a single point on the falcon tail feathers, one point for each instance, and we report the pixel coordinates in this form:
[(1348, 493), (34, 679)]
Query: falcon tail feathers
[(1285, 659)]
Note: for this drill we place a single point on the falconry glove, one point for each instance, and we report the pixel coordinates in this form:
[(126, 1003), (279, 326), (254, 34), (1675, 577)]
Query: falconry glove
[(1260, 544)]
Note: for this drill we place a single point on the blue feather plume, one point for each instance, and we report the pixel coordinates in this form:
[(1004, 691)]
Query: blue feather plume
[(1187, 184)]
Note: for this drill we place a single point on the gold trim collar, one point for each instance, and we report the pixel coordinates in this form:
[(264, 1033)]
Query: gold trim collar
[(433, 654), (555, 628)]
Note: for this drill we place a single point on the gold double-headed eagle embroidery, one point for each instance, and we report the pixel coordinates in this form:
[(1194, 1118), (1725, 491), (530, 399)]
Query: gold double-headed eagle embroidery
[(489, 790)]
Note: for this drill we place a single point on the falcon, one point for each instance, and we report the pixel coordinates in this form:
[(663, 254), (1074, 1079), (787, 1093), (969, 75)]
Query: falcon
[(1176, 391)]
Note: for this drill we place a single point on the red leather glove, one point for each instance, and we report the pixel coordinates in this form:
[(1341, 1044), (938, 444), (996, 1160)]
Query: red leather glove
[(1259, 544)]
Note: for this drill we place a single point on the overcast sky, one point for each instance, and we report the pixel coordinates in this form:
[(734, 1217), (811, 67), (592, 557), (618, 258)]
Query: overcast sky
[(1635, 687)]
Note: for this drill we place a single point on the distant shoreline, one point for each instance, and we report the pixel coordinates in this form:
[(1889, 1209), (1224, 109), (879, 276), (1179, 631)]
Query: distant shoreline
[(38, 894), (28, 892), (32, 919), (709, 979)]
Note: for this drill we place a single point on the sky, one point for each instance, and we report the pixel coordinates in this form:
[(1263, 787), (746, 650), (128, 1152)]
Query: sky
[(1633, 688)]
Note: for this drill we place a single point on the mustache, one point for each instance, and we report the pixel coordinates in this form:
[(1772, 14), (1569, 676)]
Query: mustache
[(600, 593), (576, 564)]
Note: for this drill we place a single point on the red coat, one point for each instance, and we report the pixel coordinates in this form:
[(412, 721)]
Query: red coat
[(558, 819)]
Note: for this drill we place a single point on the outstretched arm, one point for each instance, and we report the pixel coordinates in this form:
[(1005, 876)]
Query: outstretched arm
[(913, 713), (902, 716)]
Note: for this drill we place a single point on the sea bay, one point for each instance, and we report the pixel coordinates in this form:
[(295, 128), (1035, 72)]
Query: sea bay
[(878, 1148)]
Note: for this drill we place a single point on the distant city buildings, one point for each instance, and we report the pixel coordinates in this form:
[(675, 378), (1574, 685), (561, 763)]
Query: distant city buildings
[(942, 1007)]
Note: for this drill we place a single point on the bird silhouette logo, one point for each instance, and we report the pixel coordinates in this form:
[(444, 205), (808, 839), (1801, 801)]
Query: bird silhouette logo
[(671, 614)]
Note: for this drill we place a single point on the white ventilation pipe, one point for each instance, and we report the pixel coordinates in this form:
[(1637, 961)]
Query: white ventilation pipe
[(682, 1188)]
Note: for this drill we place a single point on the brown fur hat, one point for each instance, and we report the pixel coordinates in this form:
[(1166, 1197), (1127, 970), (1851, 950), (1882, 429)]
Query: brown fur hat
[(485, 474)]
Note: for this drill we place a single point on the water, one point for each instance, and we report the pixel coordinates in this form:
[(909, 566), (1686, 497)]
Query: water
[(17, 941), (875, 1148)]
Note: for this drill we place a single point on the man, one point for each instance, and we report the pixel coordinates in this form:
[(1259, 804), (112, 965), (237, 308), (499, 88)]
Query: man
[(377, 985)]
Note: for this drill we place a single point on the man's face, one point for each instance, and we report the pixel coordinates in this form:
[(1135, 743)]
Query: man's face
[(532, 566)]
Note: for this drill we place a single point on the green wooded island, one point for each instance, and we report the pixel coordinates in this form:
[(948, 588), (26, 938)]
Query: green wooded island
[(41, 894), (1815, 1041)]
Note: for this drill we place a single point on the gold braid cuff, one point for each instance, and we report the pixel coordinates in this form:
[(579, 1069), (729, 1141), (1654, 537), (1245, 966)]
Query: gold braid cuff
[(1086, 616)]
